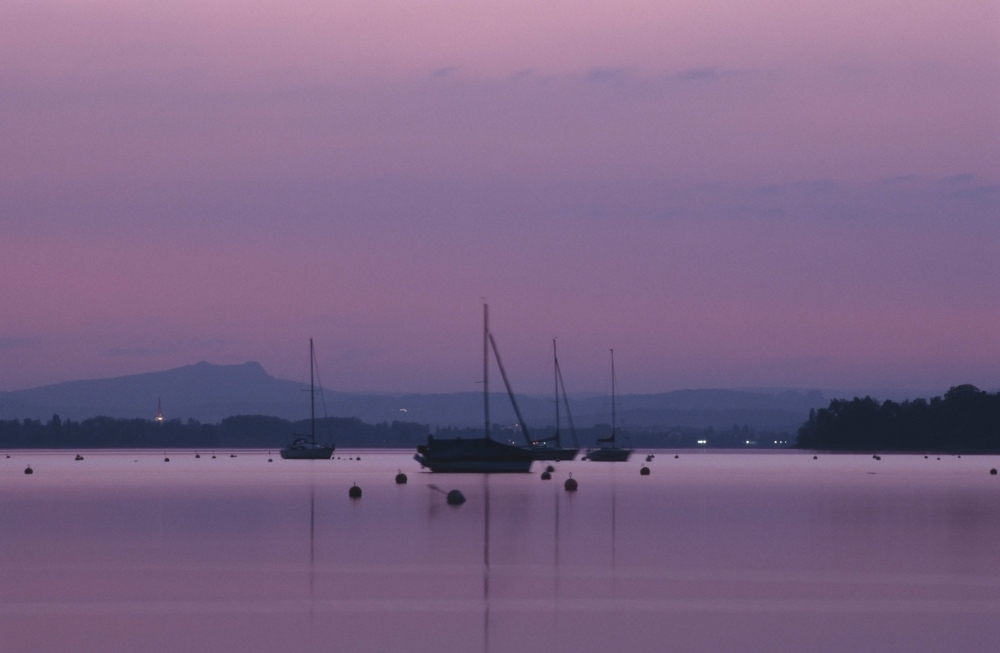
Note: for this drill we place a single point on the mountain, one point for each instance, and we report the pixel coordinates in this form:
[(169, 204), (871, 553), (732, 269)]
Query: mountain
[(209, 393)]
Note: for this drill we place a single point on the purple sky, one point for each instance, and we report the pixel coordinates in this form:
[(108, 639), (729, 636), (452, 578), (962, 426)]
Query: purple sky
[(730, 194)]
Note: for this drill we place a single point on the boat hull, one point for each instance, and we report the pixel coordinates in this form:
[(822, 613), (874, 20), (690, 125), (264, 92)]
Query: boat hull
[(482, 456), (608, 455), (318, 453), (554, 453)]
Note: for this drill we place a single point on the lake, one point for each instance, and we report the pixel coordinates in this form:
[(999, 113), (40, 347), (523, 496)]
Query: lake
[(712, 552)]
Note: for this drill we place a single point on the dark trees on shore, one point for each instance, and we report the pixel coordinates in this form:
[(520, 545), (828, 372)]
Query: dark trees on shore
[(965, 419)]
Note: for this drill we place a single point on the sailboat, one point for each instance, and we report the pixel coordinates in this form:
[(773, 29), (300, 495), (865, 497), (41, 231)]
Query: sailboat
[(479, 455), (541, 449), (303, 447), (607, 449)]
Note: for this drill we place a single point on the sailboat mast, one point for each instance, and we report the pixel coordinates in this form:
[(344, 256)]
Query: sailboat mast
[(486, 367), (612, 396), (555, 373), (312, 395)]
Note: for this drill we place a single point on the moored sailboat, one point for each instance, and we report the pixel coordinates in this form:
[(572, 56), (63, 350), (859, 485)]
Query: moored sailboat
[(303, 447), (543, 449), (479, 455), (607, 450)]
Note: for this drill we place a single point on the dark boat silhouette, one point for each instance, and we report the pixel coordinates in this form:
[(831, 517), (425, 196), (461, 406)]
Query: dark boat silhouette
[(544, 449), (305, 447), (607, 450), (479, 455)]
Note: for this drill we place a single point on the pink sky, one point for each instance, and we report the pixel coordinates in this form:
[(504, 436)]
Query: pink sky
[(729, 193)]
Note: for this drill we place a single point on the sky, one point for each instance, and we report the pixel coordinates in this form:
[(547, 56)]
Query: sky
[(762, 193)]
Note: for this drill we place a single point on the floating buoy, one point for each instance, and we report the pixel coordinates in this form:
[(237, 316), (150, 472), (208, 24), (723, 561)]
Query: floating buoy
[(166, 460), (354, 492), (993, 472), (550, 469), (939, 457), (400, 478), (644, 471), (925, 457), (649, 458), (570, 485), (29, 470), (358, 458), (197, 455), (874, 457), (676, 456), (455, 498), (78, 457), (270, 460), (232, 455), (815, 457), (546, 475), (213, 456)]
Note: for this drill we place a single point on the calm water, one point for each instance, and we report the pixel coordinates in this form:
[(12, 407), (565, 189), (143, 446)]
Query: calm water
[(712, 552)]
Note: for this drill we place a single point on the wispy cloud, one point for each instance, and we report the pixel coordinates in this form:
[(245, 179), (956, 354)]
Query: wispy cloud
[(441, 73), (603, 75), (8, 343)]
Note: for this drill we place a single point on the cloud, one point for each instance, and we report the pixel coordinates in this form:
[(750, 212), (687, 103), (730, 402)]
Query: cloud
[(7, 343), (964, 178), (137, 352), (603, 75), (696, 74), (441, 73)]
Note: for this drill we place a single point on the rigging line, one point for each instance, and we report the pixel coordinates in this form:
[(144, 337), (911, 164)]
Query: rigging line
[(569, 415), (510, 392), (322, 397)]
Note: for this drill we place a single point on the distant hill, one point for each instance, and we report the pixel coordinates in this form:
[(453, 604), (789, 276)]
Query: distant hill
[(210, 393)]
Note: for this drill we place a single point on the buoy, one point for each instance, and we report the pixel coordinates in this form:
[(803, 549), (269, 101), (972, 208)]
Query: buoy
[(29, 470), (401, 478), (166, 460), (213, 456), (270, 460), (874, 457), (644, 471), (354, 492), (232, 455), (570, 485), (939, 457), (993, 472), (455, 498), (197, 455), (550, 469), (546, 476), (78, 457), (358, 458), (925, 457), (649, 458), (676, 456)]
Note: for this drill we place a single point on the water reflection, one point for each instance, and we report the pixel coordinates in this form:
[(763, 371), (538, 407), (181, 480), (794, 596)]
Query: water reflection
[(719, 553)]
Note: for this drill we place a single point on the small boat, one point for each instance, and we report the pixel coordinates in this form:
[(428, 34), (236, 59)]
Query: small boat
[(480, 455), (542, 449), (607, 450), (305, 447)]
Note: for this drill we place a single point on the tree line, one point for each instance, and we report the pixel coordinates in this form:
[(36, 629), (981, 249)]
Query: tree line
[(964, 419), (264, 432)]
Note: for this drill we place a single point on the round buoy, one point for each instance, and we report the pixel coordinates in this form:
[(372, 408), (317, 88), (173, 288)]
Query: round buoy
[(197, 455), (232, 455), (401, 478), (213, 456), (78, 457), (166, 460), (993, 472), (570, 484), (676, 456), (354, 492), (939, 457), (815, 457), (925, 457), (546, 476), (644, 471), (455, 498), (29, 470), (550, 469), (358, 458), (270, 460)]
